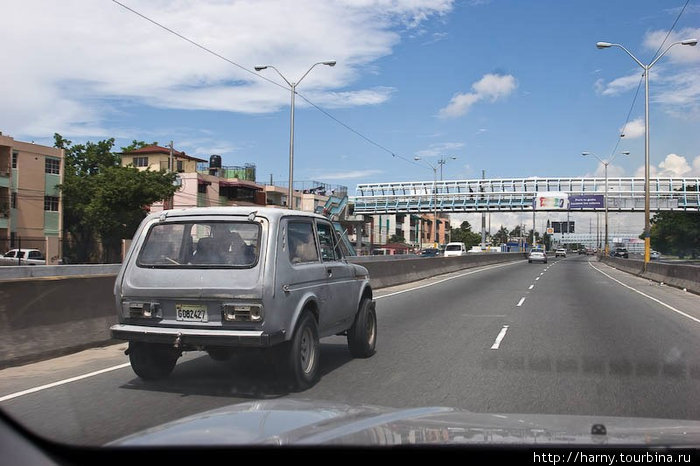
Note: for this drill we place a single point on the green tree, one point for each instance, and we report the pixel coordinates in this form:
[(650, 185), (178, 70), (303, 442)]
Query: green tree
[(137, 145), (676, 233), (104, 201), (397, 239), (464, 234), (501, 236)]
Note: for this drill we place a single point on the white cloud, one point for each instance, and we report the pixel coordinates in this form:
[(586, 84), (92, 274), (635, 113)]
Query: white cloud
[(440, 148), (673, 166), (633, 129), (348, 174), (678, 53), (619, 85), (67, 79), (490, 87), (613, 171)]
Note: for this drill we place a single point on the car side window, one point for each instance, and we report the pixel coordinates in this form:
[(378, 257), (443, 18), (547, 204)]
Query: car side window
[(329, 251), (35, 255), (301, 241), (10, 254)]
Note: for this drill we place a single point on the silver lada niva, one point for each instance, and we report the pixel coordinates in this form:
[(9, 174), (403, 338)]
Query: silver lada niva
[(229, 279)]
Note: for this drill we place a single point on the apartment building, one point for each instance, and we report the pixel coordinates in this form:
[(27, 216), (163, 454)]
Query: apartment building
[(31, 208)]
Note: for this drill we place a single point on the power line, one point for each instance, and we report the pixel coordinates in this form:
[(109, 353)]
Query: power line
[(346, 126), (634, 100)]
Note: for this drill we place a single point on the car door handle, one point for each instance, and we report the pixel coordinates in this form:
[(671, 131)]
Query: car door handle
[(330, 273)]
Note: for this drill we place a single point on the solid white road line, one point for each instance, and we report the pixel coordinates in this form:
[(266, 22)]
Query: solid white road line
[(531, 287), (647, 296), (500, 336), (62, 382), (446, 279), (537, 278), (520, 303)]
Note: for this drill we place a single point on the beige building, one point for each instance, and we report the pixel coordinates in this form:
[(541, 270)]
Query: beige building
[(31, 207), (158, 158)]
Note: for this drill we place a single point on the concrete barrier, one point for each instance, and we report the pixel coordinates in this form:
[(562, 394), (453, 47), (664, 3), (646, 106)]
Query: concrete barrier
[(385, 273), (50, 316), (681, 276), (47, 311)]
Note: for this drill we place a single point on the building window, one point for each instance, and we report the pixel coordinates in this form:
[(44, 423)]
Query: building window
[(202, 188), (14, 159), (13, 200), (51, 203), (180, 166), (140, 161), (52, 166)]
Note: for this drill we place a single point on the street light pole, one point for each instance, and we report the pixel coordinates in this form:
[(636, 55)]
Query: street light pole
[(293, 88), (434, 168), (646, 68), (605, 164)]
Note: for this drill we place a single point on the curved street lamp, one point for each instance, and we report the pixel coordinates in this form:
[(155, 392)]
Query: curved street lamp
[(605, 164), (646, 68), (293, 87)]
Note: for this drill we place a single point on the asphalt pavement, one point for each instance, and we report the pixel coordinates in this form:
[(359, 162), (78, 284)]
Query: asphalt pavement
[(573, 336)]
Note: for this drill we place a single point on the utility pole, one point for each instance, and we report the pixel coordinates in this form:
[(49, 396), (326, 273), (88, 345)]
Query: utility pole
[(483, 217)]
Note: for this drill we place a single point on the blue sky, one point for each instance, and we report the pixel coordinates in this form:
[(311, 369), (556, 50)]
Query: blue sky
[(516, 87)]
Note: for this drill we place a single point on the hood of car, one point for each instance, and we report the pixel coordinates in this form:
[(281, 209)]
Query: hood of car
[(299, 422)]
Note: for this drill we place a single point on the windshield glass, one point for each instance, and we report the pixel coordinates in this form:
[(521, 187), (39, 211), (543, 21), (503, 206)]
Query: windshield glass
[(194, 244), (468, 221)]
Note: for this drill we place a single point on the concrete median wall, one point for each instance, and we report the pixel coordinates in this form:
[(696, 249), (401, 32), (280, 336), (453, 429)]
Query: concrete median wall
[(46, 311), (681, 276)]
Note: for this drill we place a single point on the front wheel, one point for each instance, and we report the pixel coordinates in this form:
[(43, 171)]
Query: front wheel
[(362, 336), (152, 361)]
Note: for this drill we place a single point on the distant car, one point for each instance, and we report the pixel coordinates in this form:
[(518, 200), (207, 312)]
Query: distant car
[(654, 255), (24, 257), (537, 255), (430, 252), (590, 251), (455, 249), (621, 252), (561, 252), (582, 251)]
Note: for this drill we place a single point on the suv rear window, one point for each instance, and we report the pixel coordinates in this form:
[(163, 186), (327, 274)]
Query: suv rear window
[(453, 247), (201, 244)]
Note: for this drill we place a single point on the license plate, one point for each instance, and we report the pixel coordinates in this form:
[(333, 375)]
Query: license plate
[(191, 312)]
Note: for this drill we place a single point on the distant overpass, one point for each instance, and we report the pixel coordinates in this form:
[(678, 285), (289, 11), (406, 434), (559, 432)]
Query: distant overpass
[(518, 194)]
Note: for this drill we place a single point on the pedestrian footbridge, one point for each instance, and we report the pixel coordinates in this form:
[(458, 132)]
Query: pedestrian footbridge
[(520, 194)]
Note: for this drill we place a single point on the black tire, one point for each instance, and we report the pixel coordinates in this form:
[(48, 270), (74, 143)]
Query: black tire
[(529, 262), (152, 361), (362, 336), (300, 355), (220, 354)]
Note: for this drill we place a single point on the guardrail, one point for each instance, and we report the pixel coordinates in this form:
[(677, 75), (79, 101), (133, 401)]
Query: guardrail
[(681, 276), (47, 311)]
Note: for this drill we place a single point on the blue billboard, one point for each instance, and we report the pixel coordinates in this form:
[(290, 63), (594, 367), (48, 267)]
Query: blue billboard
[(587, 201)]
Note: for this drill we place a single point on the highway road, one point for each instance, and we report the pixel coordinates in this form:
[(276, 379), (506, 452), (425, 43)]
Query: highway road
[(573, 336)]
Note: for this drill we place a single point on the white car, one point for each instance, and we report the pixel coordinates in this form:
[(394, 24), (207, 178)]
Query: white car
[(537, 255), (455, 249), (561, 252), (23, 257)]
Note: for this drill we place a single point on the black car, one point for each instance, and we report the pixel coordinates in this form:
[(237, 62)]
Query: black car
[(621, 252), (430, 252)]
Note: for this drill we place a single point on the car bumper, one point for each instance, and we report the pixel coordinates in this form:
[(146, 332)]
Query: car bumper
[(196, 337)]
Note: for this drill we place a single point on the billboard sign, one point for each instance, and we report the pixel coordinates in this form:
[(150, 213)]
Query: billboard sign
[(551, 201), (587, 201)]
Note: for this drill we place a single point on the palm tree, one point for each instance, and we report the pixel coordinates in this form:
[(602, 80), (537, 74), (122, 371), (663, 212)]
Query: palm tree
[(501, 236)]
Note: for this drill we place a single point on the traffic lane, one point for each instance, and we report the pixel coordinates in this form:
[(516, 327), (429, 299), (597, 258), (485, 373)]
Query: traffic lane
[(115, 404), (431, 343), (596, 348)]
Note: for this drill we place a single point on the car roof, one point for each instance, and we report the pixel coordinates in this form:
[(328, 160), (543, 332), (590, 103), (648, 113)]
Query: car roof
[(271, 213), (23, 249)]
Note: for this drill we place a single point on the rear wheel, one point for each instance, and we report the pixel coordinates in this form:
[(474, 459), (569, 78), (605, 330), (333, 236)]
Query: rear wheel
[(152, 361), (300, 356), (362, 336)]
